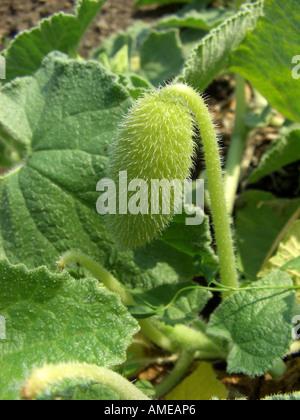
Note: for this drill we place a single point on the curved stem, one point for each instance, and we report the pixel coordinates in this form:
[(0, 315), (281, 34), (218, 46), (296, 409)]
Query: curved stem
[(190, 98), (183, 363), (238, 3), (42, 378), (99, 272)]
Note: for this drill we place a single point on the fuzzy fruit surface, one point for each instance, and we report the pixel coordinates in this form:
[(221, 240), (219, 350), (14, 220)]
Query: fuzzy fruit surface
[(155, 142)]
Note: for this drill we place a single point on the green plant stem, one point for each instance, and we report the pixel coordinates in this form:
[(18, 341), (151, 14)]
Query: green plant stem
[(194, 340), (183, 363), (43, 378), (237, 145), (221, 219)]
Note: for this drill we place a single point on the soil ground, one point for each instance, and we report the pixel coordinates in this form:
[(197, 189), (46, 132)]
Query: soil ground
[(17, 15)]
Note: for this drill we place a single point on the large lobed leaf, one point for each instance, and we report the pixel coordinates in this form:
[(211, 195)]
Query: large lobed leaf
[(258, 323), (53, 318)]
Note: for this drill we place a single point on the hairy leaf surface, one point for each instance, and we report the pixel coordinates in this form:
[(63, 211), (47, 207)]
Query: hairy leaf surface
[(53, 318)]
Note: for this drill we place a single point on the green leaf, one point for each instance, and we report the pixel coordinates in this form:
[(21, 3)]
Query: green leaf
[(213, 53), (294, 264), (282, 152), (259, 220), (195, 241), (295, 396), (94, 392), (191, 18), (70, 390), (6, 160), (154, 55), (288, 250), (53, 318), (117, 64), (62, 32), (148, 2), (136, 85), (201, 385), (120, 62), (258, 323), (265, 58), (146, 387), (161, 56), (133, 37)]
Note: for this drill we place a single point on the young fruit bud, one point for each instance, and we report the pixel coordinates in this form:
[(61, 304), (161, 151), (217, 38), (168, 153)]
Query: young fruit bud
[(155, 148)]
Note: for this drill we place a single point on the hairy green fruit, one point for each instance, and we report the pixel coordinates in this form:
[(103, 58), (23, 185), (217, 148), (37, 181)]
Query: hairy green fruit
[(155, 142)]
